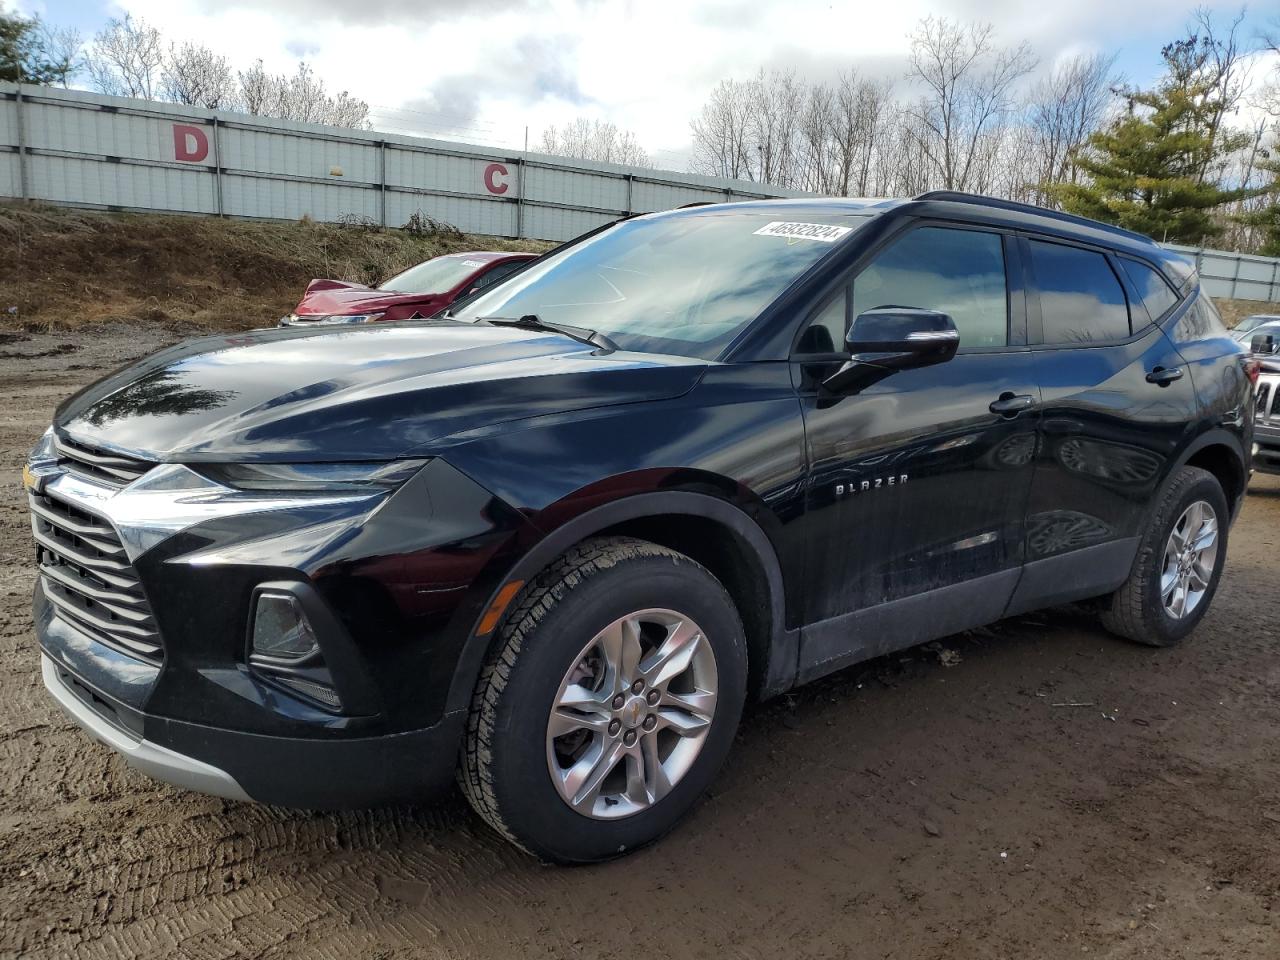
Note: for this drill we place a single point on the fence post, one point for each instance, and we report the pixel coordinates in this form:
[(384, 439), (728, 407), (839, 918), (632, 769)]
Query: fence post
[(382, 182), (1235, 277), (1272, 292), (24, 188), (217, 167), (521, 169)]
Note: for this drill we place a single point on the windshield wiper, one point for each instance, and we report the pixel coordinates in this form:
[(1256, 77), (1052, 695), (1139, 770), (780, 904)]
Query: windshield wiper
[(531, 321)]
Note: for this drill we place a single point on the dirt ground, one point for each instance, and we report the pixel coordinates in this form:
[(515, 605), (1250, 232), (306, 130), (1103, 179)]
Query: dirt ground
[(1039, 790)]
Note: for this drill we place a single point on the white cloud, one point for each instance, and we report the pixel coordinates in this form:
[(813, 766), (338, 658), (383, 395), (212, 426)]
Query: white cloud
[(485, 70)]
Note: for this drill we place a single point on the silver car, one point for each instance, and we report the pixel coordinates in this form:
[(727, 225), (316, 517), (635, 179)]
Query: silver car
[(1244, 330)]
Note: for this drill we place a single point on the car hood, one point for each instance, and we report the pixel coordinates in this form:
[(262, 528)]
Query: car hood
[(336, 298), (354, 393)]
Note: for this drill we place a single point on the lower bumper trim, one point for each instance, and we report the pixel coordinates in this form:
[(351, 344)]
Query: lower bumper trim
[(150, 758)]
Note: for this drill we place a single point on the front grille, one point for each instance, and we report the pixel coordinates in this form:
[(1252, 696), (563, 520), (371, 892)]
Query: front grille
[(88, 577), (98, 464)]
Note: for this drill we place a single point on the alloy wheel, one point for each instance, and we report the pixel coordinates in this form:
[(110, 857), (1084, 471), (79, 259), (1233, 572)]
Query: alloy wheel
[(1189, 558), (632, 714)]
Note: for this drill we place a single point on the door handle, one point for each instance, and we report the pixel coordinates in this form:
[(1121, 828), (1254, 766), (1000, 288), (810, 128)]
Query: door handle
[(1011, 404), (1163, 376)]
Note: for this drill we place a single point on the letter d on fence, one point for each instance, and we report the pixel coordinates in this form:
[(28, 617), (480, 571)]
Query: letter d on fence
[(190, 144)]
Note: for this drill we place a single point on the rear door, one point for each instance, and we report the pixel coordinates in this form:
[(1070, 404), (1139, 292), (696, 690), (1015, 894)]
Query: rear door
[(1118, 402), (918, 483)]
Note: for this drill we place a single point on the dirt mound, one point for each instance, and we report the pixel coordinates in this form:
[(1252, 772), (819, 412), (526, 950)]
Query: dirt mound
[(63, 269)]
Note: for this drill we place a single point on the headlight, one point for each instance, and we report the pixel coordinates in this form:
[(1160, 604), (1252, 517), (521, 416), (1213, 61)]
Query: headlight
[(311, 477), (44, 450)]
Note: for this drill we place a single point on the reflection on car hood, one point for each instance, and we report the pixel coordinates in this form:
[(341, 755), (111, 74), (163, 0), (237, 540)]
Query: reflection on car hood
[(334, 297), (354, 393)]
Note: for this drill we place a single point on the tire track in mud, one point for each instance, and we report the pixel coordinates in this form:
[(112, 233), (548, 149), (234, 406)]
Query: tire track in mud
[(1154, 834)]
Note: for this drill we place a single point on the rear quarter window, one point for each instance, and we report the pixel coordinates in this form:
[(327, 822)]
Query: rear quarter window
[(1157, 296)]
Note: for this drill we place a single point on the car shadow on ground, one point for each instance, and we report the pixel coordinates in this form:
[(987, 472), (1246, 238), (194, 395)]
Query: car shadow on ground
[(887, 766)]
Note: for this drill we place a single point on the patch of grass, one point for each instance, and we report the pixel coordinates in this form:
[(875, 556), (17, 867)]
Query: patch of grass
[(1233, 311), (65, 269)]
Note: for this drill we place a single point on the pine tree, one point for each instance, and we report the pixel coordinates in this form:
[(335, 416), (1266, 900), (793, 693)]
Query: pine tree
[(1151, 170), (31, 54), (1268, 217)]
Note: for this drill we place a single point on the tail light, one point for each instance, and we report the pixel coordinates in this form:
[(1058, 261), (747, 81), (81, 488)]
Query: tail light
[(1252, 368)]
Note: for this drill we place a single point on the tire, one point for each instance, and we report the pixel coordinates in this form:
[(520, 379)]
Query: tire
[(1138, 610), (553, 649)]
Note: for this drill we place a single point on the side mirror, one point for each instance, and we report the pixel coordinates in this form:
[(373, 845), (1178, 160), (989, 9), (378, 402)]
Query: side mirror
[(888, 339), (1264, 343)]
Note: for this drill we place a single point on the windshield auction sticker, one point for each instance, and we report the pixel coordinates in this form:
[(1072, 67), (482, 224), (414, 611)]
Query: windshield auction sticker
[(822, 232)]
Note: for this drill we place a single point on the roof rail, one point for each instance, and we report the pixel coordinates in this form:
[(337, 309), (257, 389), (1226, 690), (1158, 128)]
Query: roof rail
[(957, 196)]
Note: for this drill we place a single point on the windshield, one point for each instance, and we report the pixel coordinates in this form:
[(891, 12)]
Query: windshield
[(434, 276), (685, 285), (1248, 323)]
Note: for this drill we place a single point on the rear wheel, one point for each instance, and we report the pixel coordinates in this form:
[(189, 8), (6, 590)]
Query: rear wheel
[(610, 704), (1179, 564)]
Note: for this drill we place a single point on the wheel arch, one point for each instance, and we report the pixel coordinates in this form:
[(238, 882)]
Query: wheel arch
[(713, 532), (1219, 452)]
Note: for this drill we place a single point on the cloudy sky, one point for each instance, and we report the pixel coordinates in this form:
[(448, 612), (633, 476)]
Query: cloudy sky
[(483, 70)]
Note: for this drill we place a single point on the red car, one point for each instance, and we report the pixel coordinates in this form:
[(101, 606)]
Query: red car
[(420, 291)]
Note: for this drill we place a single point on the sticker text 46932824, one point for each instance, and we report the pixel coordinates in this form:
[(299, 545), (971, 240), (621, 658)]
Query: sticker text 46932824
[(792, 232)]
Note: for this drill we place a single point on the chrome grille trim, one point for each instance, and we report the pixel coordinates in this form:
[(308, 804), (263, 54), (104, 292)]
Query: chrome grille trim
[(88, 579), (95, 463)]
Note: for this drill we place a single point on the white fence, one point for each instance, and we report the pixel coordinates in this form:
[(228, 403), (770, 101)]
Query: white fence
[(82, 149), (1235, 276), (86, 150)]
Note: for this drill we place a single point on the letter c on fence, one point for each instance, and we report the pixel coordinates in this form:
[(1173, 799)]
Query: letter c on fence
[(190, 144), (491, 174)]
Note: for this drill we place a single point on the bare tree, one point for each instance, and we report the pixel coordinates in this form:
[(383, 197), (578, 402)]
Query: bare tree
[(968, 86), (259, 91), (125, 59), (1222, 63), (63, 49), (1063, 109), (752, 129), (301, 97), (865, 108), (586, 139), (778, 101), (720, 133), (195, 75)]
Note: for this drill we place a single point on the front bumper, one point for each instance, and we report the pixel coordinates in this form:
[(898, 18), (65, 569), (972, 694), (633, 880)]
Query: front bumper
[(1266, 448), (76, 698), (301, 772)]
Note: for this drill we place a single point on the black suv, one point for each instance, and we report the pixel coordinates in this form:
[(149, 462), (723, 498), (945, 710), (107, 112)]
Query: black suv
[(555, 540)]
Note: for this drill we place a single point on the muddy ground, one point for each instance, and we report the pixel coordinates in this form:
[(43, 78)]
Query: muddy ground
[(943, 804)]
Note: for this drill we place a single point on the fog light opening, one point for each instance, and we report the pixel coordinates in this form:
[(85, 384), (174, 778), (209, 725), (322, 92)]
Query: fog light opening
[(285, 650), (281, 629)]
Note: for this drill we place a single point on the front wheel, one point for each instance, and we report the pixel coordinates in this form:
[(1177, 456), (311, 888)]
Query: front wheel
[(610, 704), (1178, 566)]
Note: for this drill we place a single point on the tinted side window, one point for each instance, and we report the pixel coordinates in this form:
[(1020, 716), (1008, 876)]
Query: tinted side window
[(1157, 296), (1081, 300), (958, 272)]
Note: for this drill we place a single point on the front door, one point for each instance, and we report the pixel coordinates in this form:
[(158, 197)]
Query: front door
[(918, 483)]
